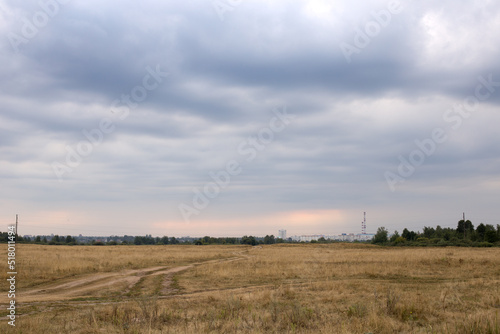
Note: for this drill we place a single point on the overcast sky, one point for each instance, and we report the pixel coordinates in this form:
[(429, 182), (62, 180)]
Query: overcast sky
[(116, 118)]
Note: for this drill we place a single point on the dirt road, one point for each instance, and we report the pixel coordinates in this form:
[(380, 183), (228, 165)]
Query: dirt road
[(114, 284)]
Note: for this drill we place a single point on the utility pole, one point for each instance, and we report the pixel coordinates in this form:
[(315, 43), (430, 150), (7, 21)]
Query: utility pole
[(17, 220), (363, 224)]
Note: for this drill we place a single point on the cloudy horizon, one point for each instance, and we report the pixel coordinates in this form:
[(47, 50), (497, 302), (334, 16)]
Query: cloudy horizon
[(227, 118)]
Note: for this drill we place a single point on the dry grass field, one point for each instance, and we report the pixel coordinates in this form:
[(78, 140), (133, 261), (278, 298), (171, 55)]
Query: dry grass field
[(309, 288)]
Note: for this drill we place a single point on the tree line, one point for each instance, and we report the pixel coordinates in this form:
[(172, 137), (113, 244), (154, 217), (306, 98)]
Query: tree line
[(484, 235), (144, 240), (465, 234), (55, 240), (245, 240), (70, 240)]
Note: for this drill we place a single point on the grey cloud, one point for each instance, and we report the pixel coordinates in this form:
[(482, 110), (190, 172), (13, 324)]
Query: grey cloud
[(353, 120)]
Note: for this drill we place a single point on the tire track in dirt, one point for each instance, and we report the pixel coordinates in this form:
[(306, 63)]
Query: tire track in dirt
[(65, 294), (116, 283), (82, 286)]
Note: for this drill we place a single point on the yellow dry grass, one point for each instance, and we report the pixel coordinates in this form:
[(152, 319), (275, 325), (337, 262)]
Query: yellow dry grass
[(38, 264), (339, 288)]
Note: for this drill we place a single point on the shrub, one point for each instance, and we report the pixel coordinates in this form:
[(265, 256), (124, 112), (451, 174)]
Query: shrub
[(400, 241), (485, 244)]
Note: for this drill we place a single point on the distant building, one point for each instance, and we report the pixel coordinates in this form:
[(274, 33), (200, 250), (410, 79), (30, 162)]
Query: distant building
[(365, 236), (309, 238), (353, 237), (341, 237), (282, 234)]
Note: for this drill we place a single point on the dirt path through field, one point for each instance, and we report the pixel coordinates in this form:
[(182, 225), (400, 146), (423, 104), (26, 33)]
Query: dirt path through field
[(114, 284)]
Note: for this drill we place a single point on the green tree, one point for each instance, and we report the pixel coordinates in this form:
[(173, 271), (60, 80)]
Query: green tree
[(269, 239), (480, 230), (439, 232), (449, 233), (381, 236), (464, 229), (409, 235), (207, 240), (394, 236), (429, 232), (248, 240), (490, 234)]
